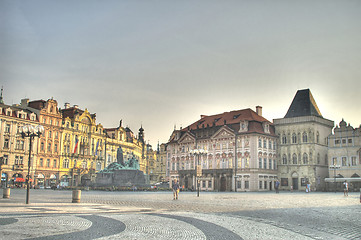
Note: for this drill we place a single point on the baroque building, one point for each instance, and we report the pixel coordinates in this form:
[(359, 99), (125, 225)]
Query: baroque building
[(302, 148), (14, 150), (82, 147), (239, 152), (48, 157), (344, 157)]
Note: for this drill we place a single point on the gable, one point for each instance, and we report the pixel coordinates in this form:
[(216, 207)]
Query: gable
[(223, 132)]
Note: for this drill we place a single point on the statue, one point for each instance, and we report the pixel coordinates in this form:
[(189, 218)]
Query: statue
[(120, 158)]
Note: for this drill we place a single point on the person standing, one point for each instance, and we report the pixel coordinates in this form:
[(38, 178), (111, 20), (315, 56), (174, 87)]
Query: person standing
[(345, 188), (175, 189), (277, 185)]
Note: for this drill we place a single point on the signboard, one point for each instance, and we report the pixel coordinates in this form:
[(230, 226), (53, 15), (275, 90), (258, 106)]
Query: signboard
[(199, 170)]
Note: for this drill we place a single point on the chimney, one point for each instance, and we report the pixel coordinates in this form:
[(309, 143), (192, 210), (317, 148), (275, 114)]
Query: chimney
[(259, 110), (67, 105), (75, 106)]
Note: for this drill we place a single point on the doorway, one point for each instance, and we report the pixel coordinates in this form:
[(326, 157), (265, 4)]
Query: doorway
[(223, 184), (295, 183)]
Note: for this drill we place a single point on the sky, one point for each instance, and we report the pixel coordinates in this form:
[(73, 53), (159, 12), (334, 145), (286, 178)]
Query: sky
[(161, 64)]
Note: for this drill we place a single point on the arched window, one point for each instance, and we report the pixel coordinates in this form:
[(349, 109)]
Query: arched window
[(284, 159), (294, 138), (294, 158), (305, 158), (304, 137), (284, 139)]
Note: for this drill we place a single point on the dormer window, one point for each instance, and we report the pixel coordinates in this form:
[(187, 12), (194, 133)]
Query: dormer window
[(8, 112), (266, 128), (243, 126)]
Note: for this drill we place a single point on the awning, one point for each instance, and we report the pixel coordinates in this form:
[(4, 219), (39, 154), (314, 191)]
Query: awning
[(18, 179)]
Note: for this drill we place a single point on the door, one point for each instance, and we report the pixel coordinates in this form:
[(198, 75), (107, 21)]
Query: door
[(223, 184), (270, 186), (295, 183)]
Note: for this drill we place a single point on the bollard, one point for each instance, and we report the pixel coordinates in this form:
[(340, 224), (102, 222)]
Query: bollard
[(6, 193), (76, 196)]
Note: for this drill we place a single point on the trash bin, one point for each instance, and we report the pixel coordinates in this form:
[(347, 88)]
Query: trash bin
[(6, 193), (76, 196)]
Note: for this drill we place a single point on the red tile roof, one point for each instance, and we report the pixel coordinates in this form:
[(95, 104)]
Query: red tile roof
[(228, 118)]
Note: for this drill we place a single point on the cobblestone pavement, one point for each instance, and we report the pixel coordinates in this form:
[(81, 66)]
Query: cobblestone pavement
[(154, 215)]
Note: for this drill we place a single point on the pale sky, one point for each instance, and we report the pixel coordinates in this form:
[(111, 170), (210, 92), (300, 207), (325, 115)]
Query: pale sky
[(164, 62)]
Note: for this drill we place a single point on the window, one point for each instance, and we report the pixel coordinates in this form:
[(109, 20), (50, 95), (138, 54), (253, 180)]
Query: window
[(239, 184), (337, 141), (284, 159), (49, 136), (350, 140), (54, 163), (49, 147), (48, 162), (265, 163), (42, 146), (203, 184), (294, 158), (284, 139), (344, 161), (246, 184), (270, 164), (55, 147), (343, 141), (41, 162), (353, 161), (304, 137), (265, 143), (305, 158), (294, 138), (334, 161), (6, 143), (66, 163), (7, 128), (260, 184), (304, 181), (318, 158), (265, 185), (260, 143), (5, 159), (260, 162), (274, 165), (44, 120), (318, 137), (270, 144), (284, 182)]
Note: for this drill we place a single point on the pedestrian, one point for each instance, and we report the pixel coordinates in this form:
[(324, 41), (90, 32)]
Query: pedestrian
[(345, 188), (277, 185), (175, 189), (308, 187)]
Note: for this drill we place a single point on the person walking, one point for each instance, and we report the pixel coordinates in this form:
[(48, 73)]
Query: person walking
[(175, 189), (345, 188), (277, 185)]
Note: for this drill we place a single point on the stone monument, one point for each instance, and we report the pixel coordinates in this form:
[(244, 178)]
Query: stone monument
[(122, 173)]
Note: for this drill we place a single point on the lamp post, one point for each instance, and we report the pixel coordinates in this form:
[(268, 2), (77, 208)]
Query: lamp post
[(197, 153), (334, 173), (31, 132)]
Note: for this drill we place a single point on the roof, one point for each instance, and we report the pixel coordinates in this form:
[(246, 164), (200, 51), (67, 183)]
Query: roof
[(227, 118), (303, 104)]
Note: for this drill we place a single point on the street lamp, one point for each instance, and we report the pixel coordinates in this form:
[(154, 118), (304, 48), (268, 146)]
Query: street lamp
[(197, 153), (334, 173), (31, 132)]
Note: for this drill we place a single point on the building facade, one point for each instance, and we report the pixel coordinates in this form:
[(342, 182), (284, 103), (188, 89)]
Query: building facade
[(344, 150), (14, 149), (235, 151), (161, 162), (302, 148)]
